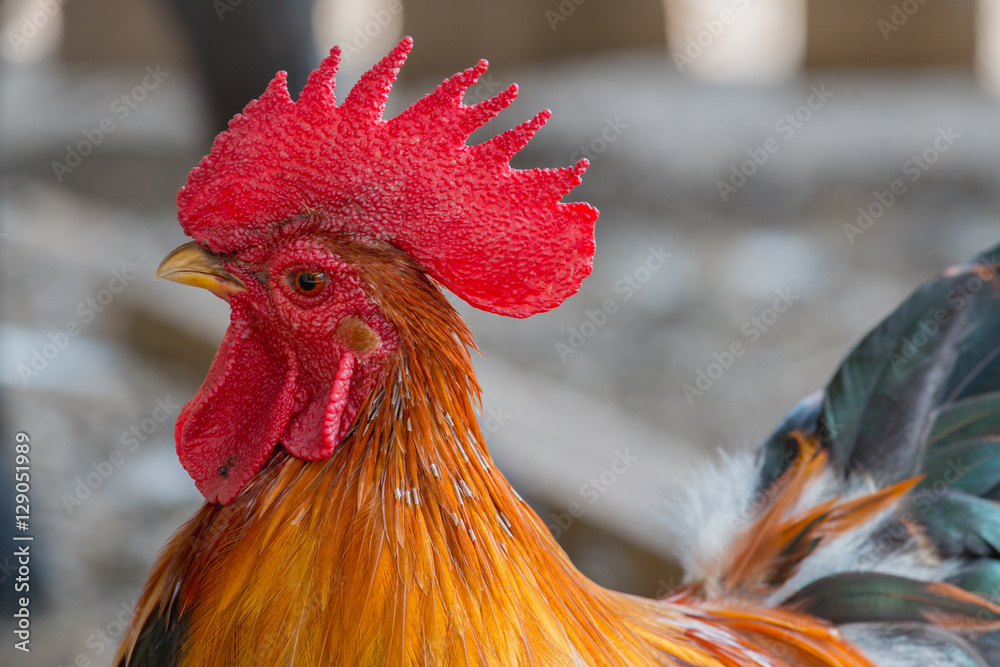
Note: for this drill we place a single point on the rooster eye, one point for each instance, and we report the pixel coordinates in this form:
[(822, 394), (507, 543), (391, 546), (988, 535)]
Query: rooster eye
[(307, 283)]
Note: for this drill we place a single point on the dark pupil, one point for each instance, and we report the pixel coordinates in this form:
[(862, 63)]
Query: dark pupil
[(307, 282)]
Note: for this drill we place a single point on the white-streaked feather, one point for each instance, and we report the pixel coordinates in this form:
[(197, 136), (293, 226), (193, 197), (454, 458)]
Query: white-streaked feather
[(910, 645), (722, 500)]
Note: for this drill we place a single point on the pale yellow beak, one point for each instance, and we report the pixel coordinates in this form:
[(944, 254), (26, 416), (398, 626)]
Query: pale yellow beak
[(192, 265)]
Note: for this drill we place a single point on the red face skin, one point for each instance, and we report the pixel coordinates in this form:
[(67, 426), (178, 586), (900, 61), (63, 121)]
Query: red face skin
[(303, 351)]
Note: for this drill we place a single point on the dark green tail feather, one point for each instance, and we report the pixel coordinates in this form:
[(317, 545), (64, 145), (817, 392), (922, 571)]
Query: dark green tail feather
[(969, 466), (961, 525), (159, 641), (966, 419), (920, 394), (902, 390), (874, 597)]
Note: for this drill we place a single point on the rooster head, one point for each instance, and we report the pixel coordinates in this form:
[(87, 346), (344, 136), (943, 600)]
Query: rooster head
[(306, 215)]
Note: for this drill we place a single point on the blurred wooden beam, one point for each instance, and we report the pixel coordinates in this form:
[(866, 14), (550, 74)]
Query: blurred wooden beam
[(122, 31), (453, 35), (874, 33)]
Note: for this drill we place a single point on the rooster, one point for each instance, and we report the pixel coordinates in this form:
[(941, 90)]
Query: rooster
[(354, 516)]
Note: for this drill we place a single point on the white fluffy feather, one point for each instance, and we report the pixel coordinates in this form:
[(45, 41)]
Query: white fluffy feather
[(717, 504), (907, 645), (722, 500)]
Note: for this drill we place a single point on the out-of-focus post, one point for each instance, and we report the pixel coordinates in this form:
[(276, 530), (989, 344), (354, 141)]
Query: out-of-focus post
[(737, 41)]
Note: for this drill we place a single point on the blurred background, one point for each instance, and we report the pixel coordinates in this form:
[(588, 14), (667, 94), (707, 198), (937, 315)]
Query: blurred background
[(773, 173)]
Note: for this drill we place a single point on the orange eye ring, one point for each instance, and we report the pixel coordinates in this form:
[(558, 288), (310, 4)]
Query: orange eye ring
[(307, 283)]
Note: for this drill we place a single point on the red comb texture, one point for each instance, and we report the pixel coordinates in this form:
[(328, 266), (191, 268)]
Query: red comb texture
[(497, 237)]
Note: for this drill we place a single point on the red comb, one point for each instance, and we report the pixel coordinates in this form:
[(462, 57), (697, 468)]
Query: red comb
[(497, 237)]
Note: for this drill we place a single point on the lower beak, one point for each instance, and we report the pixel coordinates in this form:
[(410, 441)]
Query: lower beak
[(192, 265)]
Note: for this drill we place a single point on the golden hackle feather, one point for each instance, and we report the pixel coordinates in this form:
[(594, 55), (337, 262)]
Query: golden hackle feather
[(408, 547)]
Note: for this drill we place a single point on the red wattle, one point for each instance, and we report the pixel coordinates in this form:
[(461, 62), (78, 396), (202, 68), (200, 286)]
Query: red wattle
[(228, 429), (315, 431), (333, 421)]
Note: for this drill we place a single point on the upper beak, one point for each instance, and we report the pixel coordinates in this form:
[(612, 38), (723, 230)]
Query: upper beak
[(190, 264)]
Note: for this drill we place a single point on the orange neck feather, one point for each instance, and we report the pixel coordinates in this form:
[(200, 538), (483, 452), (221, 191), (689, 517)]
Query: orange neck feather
[(406, 547)]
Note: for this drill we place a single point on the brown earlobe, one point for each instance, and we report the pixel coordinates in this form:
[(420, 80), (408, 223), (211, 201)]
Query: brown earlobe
[(357, 335)]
